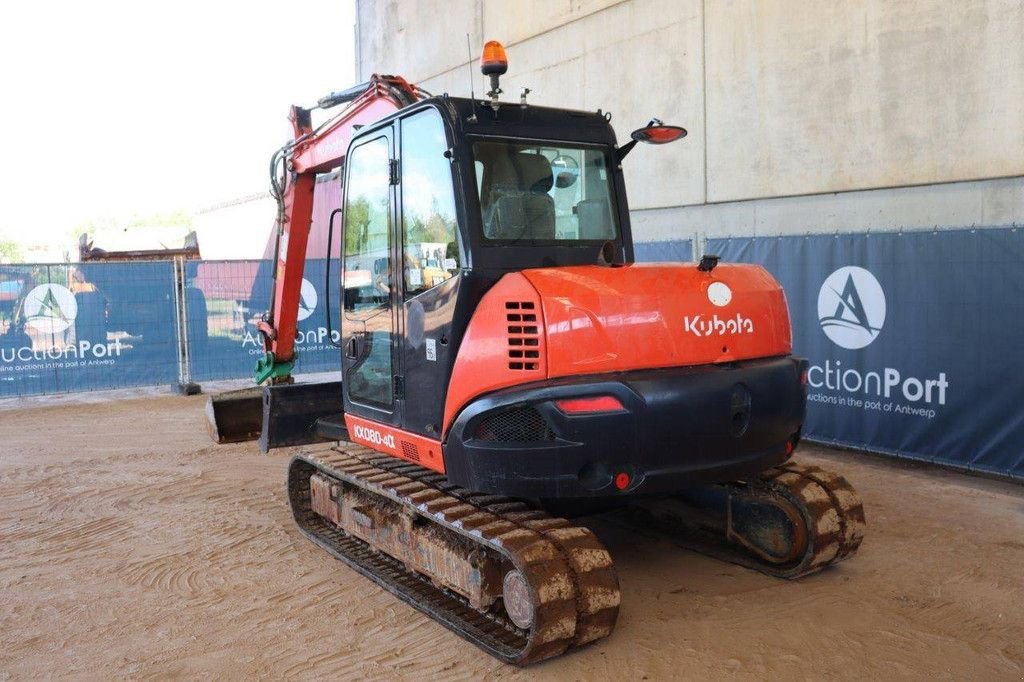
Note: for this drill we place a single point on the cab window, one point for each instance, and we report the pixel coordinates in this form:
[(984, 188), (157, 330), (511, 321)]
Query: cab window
[(544, 193), (367, 230), (430, 248)]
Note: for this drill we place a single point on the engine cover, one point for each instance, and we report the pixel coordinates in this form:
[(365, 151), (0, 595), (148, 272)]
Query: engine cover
[(645, 316), (548, 323)]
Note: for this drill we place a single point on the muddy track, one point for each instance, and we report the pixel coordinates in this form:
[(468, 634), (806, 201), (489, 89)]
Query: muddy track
[(573, 584)]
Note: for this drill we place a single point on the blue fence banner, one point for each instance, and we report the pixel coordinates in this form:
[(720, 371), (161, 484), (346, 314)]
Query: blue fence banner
[(86, 326), (671, 251), (227, 298), (914, 339)]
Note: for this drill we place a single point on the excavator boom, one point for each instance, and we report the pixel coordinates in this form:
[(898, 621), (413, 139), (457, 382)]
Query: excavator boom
[(312, 151), (236, 416)]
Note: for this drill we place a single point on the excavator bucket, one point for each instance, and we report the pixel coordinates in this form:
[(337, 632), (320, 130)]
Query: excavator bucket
[(235, 416), (278, 416)]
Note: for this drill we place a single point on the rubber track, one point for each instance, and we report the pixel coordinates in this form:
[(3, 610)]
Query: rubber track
[(574, 584), (836, 512), (832, 512)]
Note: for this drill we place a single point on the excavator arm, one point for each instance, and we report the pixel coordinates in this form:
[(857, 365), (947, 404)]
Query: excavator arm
[(293, 175), (268, 411)]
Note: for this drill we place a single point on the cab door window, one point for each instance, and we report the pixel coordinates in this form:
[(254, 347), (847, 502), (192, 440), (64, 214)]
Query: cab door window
[(367, 275), (430, 248), (367, 230)]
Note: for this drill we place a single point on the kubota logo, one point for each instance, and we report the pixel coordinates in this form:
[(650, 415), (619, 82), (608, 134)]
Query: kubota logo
[(307, 299), (50, 308), (700, 325), (851, 307)]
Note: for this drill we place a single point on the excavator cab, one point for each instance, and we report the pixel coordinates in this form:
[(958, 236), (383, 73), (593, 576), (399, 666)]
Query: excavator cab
[(441, 200), (442, 197)]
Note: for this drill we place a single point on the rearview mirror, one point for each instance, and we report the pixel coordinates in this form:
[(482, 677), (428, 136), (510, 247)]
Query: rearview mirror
[(655, 132), (658, 134)]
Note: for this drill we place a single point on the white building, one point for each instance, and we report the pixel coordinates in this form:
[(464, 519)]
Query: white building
[(803, 116)]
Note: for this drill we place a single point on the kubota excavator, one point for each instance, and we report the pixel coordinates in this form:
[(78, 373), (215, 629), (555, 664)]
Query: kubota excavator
[(506, 364)]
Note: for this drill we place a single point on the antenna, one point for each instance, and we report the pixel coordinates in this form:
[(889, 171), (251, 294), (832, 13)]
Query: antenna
[(472, 96)]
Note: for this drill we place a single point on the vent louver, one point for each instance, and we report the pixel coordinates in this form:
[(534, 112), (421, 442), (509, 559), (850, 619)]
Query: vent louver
[(520, 425), (410, 451), (523, 335)]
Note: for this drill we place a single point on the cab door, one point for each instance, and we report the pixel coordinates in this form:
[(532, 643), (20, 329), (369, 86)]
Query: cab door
[(429, 271), (369, 309)]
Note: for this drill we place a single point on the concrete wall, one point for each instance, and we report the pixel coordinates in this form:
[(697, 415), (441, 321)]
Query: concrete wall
[(803, 117)]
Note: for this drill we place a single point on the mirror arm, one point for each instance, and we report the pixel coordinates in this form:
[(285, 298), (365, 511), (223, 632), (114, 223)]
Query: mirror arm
[(621, 152)]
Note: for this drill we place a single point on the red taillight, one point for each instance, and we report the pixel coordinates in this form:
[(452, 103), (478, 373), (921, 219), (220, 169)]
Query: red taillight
[(602, 403), (622, 480)]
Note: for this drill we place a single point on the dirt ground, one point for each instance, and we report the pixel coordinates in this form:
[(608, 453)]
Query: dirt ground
[(133, 547)]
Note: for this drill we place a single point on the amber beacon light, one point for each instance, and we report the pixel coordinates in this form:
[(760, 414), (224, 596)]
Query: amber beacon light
[(493, 63)]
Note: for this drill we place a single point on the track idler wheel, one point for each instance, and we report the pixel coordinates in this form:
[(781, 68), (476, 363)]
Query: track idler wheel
[(773, 529), (790, 521)]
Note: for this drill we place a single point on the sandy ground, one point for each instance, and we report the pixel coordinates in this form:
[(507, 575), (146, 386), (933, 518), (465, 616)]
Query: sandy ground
[(133, 547)]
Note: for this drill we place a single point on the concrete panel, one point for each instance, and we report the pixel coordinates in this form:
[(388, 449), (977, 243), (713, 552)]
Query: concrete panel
[(962, 204), (805, 100), (427, 38), (634, 59), (417, 40), (512, 22), (831, 96)]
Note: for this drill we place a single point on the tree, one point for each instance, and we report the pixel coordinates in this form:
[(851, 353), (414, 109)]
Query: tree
[(10, 251), (137, 222), (357, 221)]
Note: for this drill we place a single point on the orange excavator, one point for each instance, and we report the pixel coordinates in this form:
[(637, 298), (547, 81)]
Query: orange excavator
[(507, 366)]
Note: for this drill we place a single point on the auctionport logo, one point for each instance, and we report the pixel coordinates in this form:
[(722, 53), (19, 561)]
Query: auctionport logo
[(851, 312), (50, 308), (307, 299), (312, 339), (851, 307)]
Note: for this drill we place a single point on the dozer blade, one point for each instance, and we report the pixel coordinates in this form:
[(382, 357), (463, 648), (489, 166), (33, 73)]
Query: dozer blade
[(277, 416), (291, 413)]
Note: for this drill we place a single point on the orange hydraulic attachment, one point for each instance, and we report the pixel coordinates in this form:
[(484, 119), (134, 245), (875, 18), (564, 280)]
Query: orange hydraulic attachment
[(313, 151), (571, 321)]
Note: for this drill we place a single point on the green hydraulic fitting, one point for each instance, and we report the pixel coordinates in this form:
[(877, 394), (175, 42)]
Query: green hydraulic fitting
[(269, 367)]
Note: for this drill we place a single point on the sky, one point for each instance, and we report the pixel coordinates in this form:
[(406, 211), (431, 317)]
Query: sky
[(111, 109)]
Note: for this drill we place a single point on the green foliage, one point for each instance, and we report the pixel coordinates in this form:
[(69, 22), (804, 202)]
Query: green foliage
[(357, 220), (10, 251), (435, 229), (138, 222)]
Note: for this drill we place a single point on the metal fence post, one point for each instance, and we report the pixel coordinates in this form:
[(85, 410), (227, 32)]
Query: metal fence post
[(185, 385)]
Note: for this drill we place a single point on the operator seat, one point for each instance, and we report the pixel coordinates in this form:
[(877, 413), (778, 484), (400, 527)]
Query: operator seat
[(515, 203)]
